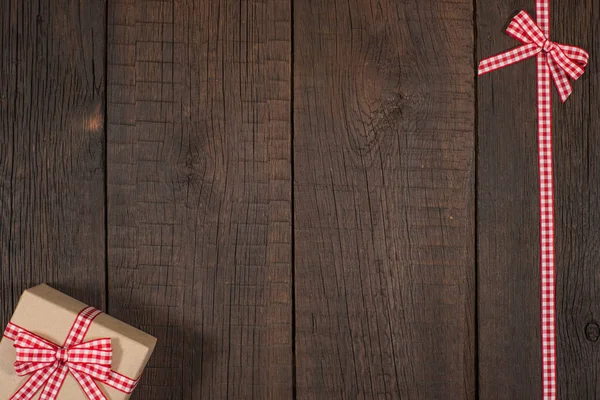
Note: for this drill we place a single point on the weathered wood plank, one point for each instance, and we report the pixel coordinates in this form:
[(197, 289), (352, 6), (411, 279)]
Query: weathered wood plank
[(51, 149), (508, 210), (199, 192), (577, 193), (383, 192), (508, 216)]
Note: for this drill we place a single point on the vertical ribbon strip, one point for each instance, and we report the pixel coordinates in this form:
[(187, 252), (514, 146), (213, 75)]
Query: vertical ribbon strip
[(555, 62), (546, 178)]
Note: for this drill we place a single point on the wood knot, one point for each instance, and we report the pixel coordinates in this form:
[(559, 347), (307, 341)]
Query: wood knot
[(374, 100), (191, 167), (94, 119), (592, 331)]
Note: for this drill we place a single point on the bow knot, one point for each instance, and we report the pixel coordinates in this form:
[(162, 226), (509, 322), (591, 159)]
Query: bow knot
[(62, 355), (564, 61), (548, 46)]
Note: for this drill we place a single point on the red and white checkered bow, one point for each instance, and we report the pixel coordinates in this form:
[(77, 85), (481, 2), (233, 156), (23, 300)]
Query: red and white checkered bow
[(564, 61), (86, 360), (49, 364)]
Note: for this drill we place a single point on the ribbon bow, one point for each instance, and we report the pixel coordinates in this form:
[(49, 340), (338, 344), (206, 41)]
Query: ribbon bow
[(563, 61), (34, 354), (48, 363)]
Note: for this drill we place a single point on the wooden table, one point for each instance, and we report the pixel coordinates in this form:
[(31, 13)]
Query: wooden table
[(306, 199)]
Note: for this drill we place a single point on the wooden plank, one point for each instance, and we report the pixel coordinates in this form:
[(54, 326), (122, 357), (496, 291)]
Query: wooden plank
[(383, 192), (51, 149), (507, 219), (577, 177), (199, 192), (507, 215)]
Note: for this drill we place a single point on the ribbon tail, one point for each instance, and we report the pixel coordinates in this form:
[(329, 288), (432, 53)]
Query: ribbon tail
[(121, 382), (99, 372), (89, 386), (34, 384), (508, 58), (54, 383), (561, 81)]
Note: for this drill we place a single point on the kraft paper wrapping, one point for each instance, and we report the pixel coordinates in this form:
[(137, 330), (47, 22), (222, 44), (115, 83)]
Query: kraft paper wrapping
[(50, 314)]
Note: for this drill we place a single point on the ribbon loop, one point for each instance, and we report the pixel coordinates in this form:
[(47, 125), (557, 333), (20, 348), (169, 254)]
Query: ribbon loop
[(564, 61)]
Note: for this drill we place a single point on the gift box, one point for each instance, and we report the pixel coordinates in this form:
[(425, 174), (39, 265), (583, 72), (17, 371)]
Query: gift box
[(56, 347)]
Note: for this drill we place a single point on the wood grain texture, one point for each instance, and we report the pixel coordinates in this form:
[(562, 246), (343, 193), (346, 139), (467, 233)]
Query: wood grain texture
[(508, 214), (51, 149), (577, 177), (384, 199), (199, 192)]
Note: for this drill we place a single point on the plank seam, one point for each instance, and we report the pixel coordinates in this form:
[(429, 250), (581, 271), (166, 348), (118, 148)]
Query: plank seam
[(292, 205), (105, 150), (476, 360), (13, 301)]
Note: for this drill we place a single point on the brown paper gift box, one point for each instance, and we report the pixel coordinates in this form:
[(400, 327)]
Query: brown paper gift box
[(49, 313)]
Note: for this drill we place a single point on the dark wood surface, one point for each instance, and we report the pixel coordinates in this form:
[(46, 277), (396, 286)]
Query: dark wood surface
[(577, 175), (508, 215), (301, 199), (199, 193), (383, 195), (52, 208)]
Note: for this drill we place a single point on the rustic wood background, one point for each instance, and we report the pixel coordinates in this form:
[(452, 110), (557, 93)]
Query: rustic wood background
[(310, 199)]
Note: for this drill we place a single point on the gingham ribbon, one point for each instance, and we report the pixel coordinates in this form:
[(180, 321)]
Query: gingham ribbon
[(561, 62), (50, 363)]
